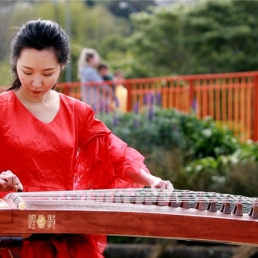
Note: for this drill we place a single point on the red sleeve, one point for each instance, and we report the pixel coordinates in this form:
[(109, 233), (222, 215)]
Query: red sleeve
[(102, 162), (89, 125)]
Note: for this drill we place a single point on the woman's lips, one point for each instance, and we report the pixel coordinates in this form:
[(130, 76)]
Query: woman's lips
[(36, 92)]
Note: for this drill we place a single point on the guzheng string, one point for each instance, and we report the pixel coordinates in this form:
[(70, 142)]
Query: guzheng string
[(147, 196)]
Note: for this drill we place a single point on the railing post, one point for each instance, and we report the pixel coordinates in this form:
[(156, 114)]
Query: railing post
[(191, 95), (129, 96), (66, 89), (255, 111)]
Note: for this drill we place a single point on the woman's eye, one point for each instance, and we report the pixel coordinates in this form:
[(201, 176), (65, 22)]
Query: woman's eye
[(44, 74), (27, 73)]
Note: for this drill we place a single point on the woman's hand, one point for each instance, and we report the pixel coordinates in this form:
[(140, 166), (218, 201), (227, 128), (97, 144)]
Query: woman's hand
[(147, 179), (163, 184), (9, 182), (156, 182)]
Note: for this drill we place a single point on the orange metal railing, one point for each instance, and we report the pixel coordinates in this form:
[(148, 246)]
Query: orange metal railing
[(230, 98)]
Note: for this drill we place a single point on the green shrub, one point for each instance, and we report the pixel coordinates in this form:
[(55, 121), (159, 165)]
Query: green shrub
[(194, 154)]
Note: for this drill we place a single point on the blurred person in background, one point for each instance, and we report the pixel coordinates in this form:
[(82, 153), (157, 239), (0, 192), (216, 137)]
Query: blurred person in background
[(106, 75), (104, 72), (120, 90), (96, 95)]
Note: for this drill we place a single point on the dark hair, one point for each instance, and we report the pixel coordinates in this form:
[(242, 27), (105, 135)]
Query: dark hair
[(40, 35), (102, 66), (89, 56)]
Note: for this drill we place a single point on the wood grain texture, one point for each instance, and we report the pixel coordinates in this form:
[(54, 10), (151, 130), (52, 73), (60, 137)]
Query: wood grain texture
[(127, 219)]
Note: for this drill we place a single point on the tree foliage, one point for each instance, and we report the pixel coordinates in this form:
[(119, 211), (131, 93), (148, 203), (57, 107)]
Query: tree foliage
[(205, 37), (87, 27), (126, 8), (223, 36)]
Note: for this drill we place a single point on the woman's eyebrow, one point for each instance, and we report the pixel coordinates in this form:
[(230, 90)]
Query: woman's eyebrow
[(46, 69)]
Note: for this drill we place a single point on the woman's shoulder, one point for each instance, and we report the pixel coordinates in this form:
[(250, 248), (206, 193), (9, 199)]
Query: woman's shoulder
[(6, 94), (89, 70), (73, 103), (84, 117), (6, 97), (70, 100)]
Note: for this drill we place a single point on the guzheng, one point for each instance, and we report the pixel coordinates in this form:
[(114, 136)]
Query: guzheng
[(178, 214)]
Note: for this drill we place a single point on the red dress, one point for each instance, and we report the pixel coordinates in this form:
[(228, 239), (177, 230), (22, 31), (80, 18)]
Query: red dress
[(74, 151)]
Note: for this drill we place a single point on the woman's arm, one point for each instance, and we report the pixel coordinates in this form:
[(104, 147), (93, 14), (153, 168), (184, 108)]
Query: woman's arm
[(131, 163)]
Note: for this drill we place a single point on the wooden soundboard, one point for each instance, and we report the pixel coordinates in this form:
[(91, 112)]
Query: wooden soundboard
[(144, 212)]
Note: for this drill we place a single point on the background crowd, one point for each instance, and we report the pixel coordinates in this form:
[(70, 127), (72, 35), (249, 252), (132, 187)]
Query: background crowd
[(92, 73)]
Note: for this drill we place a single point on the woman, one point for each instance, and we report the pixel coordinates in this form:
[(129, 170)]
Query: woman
[(98, 95), (50, 141)]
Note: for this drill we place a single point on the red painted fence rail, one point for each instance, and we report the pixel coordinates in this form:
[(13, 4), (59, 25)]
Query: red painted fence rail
[(229, 98)]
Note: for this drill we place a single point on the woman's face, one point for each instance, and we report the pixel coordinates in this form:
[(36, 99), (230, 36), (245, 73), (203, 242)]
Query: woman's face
[(38, 70), (95, 61)]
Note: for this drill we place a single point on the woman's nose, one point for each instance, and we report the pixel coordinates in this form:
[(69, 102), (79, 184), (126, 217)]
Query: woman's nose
[(36, 82)]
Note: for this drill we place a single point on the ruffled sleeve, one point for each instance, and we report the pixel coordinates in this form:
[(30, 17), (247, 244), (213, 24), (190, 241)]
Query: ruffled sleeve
[(103, 160)]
